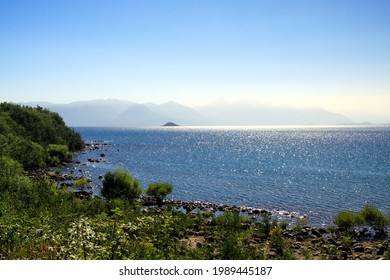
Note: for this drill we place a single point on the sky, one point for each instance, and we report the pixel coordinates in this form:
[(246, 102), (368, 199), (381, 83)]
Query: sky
[(325, 54)]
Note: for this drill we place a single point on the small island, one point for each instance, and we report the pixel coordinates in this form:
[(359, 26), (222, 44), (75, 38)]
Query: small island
[(170, 124)]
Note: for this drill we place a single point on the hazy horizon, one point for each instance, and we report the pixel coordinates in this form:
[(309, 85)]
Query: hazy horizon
[(333, 55)]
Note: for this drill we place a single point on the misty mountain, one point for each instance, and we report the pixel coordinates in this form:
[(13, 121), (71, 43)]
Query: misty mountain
[(253, 113), (123, 113), (138, 115), (178, 113), (99, 112)]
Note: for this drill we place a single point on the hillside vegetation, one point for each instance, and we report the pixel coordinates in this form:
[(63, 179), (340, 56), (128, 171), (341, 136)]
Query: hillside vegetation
[(35, 137)]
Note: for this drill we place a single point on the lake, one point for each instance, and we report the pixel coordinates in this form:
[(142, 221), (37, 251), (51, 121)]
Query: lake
[(315, 171)]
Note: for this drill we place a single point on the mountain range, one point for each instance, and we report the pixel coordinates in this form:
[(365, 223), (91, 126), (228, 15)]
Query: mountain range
[(111, 112)]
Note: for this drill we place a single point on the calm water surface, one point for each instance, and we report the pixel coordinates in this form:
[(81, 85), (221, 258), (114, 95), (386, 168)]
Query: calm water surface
[(317, 171)]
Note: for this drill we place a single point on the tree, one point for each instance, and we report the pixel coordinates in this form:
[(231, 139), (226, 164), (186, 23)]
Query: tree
[(120, 184), (159, 191)]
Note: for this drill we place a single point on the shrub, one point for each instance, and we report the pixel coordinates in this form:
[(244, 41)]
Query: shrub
[(265, 225), (301, 223), (347, 220), (119, 184), (58, 153), (374, 217), (159, 190), (230, 220), (10, 167), (30, 154), (280, 244), (81, 183)]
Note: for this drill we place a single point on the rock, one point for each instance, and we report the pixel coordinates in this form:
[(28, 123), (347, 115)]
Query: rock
[(300, 238), (312, 236), (305, 232), (341, 248), (368, 250), (296, 246), (358, 248), (272, 254), (316, 232), (343, 255), (381, 251), (170, 124), (83, 194), (322, 230), (382, 248), (315, 241)]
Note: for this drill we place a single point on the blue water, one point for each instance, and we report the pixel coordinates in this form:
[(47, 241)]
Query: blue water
[(316, 171)]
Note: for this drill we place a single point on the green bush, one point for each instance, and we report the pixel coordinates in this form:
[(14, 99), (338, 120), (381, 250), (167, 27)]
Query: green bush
[(265, 225), (374, 217), (368, 215), (120, 183), (347, 220), (159, 190), (281, 246), (58, 153), (301, 223), (30, 154)]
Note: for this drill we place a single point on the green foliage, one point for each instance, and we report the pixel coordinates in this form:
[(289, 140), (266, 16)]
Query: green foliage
[(30, 154), (9, 167), (265, 225), (346, 240), (347, 220), (230, 220), (374, 217), (120, 184), (300, 223), (39, 125), (81, 183), (58, 153), (35, 137), (279, 244), (367, 215), (159, 190), (387, 254)]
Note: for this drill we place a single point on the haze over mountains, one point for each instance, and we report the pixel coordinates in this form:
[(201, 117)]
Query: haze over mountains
[(113, 112)]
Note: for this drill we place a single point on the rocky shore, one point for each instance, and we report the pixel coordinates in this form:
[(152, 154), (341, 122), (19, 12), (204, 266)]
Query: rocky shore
[(305, 242), (322, 243)]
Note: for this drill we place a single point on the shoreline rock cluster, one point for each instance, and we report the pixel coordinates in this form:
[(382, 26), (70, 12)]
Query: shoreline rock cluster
[(320, 243)]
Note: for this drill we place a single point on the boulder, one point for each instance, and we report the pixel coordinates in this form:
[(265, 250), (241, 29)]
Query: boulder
[(316, 232), (358, 248)]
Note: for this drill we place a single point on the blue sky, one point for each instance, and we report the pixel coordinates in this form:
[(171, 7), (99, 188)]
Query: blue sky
[(330, 54)]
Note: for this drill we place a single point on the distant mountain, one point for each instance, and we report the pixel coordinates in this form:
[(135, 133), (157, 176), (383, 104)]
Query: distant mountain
[(112, 112), (253, 113), (98, 112), (178, 113), (138, 115)]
